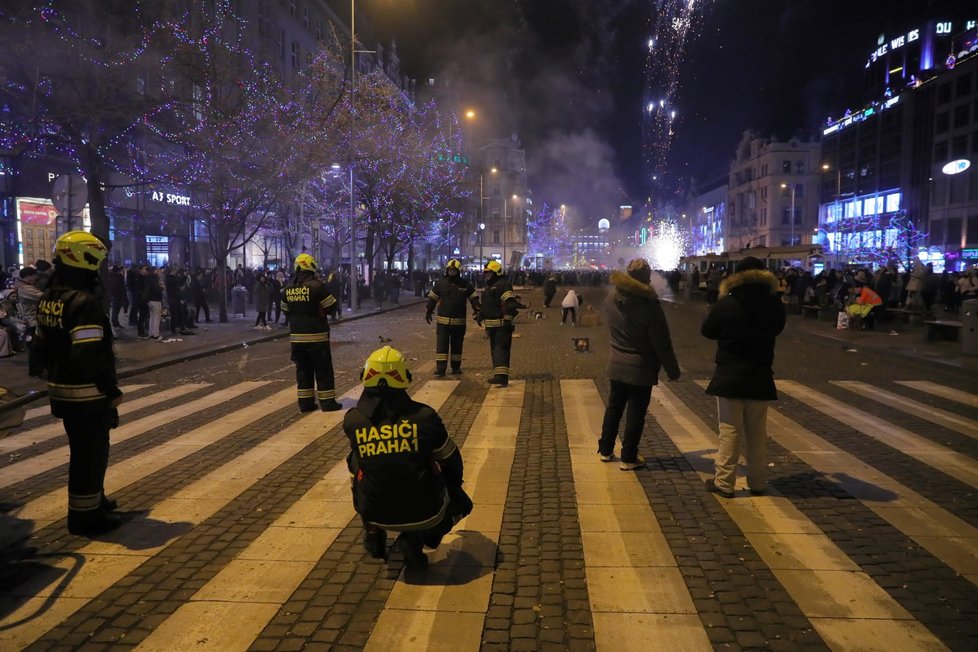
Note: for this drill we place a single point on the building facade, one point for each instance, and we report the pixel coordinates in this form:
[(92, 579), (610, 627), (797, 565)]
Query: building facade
[(499, 218), (898, 177), (771, 197)]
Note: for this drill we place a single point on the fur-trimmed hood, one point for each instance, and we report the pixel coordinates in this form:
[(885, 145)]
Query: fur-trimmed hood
[(627, 285), (748, 277)]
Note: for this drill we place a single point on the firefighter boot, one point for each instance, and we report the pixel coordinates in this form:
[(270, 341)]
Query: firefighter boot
[(92, 523), (375, 542), (410, 544)]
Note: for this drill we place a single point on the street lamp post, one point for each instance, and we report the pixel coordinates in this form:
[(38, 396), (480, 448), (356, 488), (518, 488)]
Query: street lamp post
[(482, 228), (792, 216)]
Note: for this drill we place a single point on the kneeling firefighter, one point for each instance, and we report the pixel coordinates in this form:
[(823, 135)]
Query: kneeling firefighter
[(406, 469), (75, 342), (307, 304), (450, 294)]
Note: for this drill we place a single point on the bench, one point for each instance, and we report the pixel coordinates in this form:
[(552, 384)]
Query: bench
[(943, 329), (822, 313), (905, 314)]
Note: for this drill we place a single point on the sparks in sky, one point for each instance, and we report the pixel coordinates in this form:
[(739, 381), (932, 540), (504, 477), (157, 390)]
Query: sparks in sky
[(666, 245), (673, 24)]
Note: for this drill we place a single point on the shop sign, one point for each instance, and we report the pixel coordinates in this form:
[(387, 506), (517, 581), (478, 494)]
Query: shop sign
[(956, 167), (170, 198)]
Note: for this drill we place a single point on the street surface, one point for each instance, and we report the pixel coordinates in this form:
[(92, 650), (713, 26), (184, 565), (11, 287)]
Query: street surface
[(242, 534)]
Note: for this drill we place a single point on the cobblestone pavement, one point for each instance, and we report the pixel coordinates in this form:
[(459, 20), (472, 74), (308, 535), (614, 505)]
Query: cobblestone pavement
[(241, 534)]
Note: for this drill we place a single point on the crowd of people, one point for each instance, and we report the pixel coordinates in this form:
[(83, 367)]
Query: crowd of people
[(919, 289)]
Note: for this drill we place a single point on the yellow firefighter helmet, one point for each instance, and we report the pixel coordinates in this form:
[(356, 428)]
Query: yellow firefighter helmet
[(494, 266), (81, 250), (305, 263), (385, 368)]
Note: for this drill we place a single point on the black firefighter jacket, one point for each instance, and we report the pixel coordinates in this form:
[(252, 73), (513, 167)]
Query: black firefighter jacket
[(450, 294), (75, 341), (402, 460), (745, 322), (307, 302)]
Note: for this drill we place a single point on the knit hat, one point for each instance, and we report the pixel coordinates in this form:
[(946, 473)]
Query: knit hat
[(639, 270), (749, 263)]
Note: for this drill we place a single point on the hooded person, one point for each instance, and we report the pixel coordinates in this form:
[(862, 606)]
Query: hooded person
[(640, 347), (450, 295), (307, 304), (745, 321), (406, 470)]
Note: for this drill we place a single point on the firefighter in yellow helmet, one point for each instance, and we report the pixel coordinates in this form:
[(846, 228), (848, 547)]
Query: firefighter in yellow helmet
[(75, 343), (307, 303), (406, 469), (499, 309), (450, 294)]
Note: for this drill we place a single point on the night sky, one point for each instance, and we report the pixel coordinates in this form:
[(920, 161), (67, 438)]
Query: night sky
[(567, 77)]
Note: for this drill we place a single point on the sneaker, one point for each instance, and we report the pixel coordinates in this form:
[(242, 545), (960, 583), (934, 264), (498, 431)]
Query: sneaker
[(610, 457), (639, 463), (142, 337), (409, 543), (714, 489), (330, 406)]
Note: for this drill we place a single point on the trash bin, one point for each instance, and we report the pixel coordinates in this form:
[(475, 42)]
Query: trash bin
[(969, 327), (239, 299)]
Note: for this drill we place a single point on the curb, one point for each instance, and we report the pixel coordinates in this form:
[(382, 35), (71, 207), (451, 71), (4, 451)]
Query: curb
[(129, 372)]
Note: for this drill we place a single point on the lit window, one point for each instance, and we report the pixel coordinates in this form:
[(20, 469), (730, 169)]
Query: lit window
[(893, 202)]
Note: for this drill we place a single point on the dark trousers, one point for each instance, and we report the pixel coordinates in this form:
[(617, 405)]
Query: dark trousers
[(547, 298), (88, 444), (448, 345), (200, 301), (275, 307), (134, 301), (313, 374), (35, 364), (115, 307), (260, 319), (176, 316), (500, 343), (636, 399), (568, 311)]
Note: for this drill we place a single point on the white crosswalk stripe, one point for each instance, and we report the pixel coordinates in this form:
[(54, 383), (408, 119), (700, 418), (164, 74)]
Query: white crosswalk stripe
[(637, 594), (21, 471), (950, 420), (34, 436), (950, 393), (45, 411), (843, 603), (958, 466), (107, 562), (231, 610)]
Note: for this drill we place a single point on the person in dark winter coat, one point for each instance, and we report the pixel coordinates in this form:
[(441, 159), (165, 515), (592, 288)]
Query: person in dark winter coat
[(745, 322), (640, 347), (549, 290), (406, 469)]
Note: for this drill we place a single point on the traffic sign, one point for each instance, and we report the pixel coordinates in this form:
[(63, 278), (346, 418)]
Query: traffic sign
[(69, 194)]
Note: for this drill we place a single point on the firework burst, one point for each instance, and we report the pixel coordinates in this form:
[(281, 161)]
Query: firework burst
[(673, 24)]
